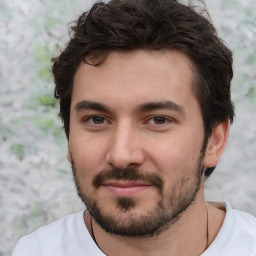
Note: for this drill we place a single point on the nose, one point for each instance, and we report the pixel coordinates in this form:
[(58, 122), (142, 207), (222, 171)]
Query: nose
[(124, 149)]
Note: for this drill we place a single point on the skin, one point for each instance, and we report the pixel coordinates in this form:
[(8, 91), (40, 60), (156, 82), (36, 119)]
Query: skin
[(126, 135)]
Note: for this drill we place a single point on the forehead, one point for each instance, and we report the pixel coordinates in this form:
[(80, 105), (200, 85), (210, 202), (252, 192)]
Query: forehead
[(135, 77)]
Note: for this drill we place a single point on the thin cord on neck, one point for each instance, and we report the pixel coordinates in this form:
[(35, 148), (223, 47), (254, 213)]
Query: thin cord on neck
[(93, 236), (207, 228)]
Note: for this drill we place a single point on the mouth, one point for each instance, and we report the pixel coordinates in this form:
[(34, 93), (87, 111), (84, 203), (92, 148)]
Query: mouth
[(125, 188)]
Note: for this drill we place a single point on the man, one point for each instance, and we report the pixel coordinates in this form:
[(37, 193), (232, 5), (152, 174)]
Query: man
[(144, 90)]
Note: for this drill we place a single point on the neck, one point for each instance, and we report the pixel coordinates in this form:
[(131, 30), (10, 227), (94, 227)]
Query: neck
[(191, 229)]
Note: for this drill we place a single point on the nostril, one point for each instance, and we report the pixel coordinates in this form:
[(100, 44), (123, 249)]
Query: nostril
[(124, 150), (127, 158)]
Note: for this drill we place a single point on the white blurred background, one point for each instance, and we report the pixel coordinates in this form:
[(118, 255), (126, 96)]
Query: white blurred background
[(36, 185)]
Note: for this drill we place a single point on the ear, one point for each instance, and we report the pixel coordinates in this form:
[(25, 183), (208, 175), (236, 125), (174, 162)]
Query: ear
[(69, 156), (216, 144)]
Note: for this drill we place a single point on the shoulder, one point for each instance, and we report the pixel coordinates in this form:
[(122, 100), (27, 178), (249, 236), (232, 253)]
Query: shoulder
[(244, 217), (240, 225), (52, 237), (237, 235), (236, 218), (245, 224)]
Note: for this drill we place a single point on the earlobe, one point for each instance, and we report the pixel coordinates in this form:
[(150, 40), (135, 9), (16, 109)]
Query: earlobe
[(69, 156), (216, 144)]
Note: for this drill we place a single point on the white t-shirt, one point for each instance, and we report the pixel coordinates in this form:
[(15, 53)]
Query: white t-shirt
[(70, 237)]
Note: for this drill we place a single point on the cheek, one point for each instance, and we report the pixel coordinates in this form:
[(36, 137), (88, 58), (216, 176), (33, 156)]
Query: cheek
[(88, 156), (173, 157), (171, 150)]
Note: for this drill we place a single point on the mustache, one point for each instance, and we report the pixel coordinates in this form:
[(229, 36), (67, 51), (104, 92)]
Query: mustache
[(128, 174)]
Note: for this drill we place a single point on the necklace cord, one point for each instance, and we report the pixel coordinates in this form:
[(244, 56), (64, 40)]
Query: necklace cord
[(207, 228), (93, 236)]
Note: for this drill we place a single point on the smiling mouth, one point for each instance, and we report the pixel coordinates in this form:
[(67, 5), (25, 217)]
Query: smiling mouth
[(125, 188)]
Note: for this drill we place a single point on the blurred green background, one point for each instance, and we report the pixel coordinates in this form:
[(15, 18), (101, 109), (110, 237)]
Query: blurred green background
[(35, 179)]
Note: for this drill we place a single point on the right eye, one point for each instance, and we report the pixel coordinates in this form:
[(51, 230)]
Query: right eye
[(95, 120)]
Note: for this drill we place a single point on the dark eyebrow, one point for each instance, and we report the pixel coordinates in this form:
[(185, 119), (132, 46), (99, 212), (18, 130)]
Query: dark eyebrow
[(149, 106), (161, 105), (85, 104)]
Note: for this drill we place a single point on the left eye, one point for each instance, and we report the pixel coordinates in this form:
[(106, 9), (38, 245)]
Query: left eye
[(158, 120)]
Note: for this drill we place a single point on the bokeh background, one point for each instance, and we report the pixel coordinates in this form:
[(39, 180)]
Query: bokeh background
[(36, 185)]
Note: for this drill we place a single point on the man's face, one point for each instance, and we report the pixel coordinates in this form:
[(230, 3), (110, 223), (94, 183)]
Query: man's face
[(136, 135)]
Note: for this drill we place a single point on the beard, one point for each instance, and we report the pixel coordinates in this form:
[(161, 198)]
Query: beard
[(166, 210)]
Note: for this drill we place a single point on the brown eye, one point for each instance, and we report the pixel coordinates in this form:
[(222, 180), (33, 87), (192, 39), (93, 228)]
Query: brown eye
[(93, 120), (98, 120), (159, 120)]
